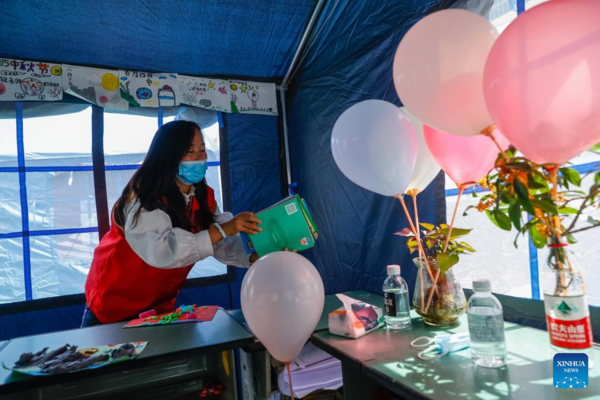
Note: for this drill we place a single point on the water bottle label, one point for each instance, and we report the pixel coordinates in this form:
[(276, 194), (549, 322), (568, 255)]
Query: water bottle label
[(568, 320), (389, 299)]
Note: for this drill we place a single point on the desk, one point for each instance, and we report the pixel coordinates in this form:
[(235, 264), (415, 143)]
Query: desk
[(255, 361), (176, 356), (382, 364)]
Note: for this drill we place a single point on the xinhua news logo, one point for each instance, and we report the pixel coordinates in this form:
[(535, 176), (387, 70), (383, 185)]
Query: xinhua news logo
[(571, 371)]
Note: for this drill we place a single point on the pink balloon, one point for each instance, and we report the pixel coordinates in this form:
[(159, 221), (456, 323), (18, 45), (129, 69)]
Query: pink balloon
[(465, 160), (542, 80), (282, 300), (438, 70)]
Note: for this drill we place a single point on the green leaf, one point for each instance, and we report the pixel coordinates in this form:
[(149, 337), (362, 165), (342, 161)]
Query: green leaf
[(456, 232), (499, 219), (429, 227), (466, 247), (571, 239), (520, 189), (514, 212), (445, 261), (520, 166), (567, 210), (571, 176), (467, 209), (595, 147), (545, 206), (536, 238), (474, 193), (527, 206), (597, 177)]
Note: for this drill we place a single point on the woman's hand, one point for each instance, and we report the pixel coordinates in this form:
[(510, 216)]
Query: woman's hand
[(244, 222)]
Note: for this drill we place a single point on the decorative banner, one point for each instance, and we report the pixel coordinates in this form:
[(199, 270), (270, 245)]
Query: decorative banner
[(253, 97), (211, 94), (98, 86), (147, 89), (30, 80)]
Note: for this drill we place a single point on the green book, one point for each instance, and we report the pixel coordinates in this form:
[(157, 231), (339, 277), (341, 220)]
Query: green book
[(287, 224)]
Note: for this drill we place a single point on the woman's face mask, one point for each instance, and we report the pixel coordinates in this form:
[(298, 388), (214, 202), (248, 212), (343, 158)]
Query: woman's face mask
[(440, 345), (192, 172)]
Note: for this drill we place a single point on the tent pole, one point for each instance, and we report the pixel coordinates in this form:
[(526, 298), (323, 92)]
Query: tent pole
[(303, 40), (286, 142)]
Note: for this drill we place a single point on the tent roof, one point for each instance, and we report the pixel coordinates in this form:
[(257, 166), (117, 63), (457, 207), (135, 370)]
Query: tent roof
[(251, 39)]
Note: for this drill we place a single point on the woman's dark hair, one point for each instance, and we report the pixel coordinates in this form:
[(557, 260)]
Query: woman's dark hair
[(153, 184)]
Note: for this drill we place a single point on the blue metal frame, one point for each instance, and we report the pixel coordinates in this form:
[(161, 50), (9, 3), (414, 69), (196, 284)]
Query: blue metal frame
[(24, 208)]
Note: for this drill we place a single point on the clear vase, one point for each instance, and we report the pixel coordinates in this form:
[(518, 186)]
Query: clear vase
[(448, 301), (565, 303)]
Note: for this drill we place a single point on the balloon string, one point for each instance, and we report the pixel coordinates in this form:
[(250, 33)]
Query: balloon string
[(461, 189), (290, 378), (414, 230), (414, 196), (489, 132)]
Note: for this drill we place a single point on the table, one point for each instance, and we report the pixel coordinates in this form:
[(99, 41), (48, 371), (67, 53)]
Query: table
[(176, 357), (382, 364), (332, 303), (255, 362)]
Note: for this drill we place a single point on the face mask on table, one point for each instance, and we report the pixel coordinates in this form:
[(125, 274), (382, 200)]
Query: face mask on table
[(440, 345)]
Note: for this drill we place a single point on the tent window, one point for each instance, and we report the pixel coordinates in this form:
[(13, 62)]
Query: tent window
[(49, 253), (511, 269)]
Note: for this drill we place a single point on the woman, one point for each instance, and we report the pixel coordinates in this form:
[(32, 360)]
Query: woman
[(166, 220)]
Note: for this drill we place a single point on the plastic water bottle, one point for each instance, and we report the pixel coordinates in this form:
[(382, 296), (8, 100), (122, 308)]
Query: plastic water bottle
[(397, 307), (486, 326)]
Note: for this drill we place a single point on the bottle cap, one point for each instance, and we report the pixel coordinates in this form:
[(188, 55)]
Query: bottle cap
[(482, 285), (393, 270)]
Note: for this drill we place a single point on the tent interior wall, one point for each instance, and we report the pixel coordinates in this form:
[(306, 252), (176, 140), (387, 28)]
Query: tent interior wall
[(257, 40)]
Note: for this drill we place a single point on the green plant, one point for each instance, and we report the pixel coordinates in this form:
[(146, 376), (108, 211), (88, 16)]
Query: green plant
[(433, 239)]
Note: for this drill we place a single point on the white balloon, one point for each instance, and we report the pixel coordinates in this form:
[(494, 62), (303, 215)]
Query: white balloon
[(374, 145), (282, 301), (426, 168)]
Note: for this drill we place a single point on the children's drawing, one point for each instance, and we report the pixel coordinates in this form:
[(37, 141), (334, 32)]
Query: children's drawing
[(148, 89), (30, 80), (211, 94), (98, 86), (253, 97)]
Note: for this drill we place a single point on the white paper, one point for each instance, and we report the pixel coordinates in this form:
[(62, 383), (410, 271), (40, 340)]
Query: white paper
[(211, 94), (149, 89), (98, 86), (253, 97), (22, 80)]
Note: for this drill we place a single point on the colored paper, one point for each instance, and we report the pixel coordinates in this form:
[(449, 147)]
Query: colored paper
[(22, 80), (211, 94), (148, 89), (98, 86), (200, 314), (253, 97)]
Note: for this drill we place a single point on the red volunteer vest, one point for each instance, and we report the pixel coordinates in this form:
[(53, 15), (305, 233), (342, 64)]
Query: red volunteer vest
[(120, 285)]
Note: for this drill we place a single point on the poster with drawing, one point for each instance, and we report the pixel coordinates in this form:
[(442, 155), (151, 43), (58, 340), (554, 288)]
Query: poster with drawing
[(149, 89), (98, 86), (253, 97), (22, 80), (211, 94)]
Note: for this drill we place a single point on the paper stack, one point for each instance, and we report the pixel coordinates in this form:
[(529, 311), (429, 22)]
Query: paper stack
[(312, 370)]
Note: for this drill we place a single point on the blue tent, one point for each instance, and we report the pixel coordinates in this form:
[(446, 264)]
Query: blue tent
[(324, 56)]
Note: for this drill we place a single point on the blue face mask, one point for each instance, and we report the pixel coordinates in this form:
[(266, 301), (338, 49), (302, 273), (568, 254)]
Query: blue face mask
[(192, 172), (441, 345)]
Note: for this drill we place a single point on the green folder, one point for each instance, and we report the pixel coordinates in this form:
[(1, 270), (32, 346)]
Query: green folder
[(287, 224)]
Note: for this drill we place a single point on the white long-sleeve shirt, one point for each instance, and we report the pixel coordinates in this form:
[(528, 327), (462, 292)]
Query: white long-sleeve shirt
[(155, 241)]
